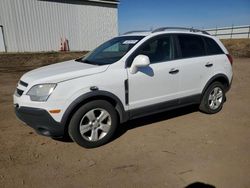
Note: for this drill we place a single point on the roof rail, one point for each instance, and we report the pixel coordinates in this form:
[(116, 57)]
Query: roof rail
[(179, 28), (136, 31)]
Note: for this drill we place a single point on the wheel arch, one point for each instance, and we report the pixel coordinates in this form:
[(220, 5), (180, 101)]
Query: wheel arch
[(90, 96), (222, 78)]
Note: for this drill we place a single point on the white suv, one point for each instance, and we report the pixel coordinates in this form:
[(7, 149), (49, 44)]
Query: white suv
[(130, 76)]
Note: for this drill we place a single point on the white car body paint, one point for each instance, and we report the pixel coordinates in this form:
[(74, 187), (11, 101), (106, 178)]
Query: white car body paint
[(150, 85)]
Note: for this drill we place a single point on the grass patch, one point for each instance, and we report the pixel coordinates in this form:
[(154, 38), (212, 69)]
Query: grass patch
[(238, 47), (19, 62)]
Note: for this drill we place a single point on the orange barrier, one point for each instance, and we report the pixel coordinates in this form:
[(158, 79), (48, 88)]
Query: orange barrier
[(64, 46)]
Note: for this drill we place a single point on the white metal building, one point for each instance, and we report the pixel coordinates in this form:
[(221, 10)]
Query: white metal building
[(38, 25)]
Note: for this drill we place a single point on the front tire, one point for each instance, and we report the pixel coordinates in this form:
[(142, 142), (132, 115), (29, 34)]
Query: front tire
[(213, 98), (93, 124)]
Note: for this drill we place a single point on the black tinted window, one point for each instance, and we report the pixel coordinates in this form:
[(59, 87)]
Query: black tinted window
[(191, 46), (212, 47), (158, 50)]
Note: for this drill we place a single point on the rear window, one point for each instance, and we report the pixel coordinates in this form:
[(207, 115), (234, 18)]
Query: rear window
[(191, 46), (212, 47)]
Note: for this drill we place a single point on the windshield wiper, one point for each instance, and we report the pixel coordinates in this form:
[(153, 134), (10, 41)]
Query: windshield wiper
[(79, 60), (88, 62)]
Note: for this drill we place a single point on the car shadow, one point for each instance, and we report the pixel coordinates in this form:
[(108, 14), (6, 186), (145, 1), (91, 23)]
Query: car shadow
[(65, 139), (199, 185), (143, 121), (147, 120)]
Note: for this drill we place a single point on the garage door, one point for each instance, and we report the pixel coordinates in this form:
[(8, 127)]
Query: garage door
[(2, 46)]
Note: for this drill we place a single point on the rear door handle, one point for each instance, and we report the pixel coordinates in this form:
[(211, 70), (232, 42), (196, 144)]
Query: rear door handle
[(209, 64), (173, 71)]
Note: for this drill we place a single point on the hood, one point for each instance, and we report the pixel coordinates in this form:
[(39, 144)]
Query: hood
[(61, 72)]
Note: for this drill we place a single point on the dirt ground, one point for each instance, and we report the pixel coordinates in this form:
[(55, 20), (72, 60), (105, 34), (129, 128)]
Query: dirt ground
[(171, 149)]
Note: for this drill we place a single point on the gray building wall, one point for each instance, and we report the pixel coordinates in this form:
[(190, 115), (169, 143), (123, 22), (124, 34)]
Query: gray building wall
[(38, 25)]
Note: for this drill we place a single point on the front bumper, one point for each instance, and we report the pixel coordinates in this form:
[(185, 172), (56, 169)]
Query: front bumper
[(40, 120)]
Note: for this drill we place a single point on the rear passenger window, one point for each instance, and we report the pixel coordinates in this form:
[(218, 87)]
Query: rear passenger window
[(191, 46), (212, 47)]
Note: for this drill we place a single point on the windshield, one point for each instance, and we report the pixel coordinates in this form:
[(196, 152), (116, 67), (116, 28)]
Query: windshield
[(111, 51)]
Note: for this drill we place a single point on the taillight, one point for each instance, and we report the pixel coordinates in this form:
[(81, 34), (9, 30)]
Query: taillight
[(230, 58)]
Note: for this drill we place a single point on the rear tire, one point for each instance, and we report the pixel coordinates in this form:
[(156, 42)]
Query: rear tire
[(93, 124), (213, 98)]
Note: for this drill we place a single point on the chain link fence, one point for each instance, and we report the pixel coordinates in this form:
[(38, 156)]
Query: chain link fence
[(233, 32)]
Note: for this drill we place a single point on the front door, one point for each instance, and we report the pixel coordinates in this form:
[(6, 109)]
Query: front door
[(158, 82)]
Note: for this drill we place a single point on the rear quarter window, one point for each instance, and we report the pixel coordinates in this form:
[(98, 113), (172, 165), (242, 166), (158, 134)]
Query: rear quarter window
[(191, 46), (212, 47)]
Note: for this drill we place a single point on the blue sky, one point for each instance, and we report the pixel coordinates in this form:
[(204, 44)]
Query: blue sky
[(146, 14)]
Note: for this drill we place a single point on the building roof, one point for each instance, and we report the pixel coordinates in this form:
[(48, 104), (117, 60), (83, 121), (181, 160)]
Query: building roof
[(106, 1)]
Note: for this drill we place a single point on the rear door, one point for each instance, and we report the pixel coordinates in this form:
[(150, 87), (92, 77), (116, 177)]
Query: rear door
[(196, 66), (217, 57)]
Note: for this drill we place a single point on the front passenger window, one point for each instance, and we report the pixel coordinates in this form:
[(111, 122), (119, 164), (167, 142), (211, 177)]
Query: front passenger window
[(158, 50)]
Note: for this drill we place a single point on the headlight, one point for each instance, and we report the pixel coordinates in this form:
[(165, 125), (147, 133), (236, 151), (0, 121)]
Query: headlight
[(41, 92)]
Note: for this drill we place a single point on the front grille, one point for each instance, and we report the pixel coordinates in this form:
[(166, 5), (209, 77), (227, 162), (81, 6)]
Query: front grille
[(23, 83), (19, 92)]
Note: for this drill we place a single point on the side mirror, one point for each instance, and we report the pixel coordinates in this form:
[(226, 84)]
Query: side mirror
[(139, 61)]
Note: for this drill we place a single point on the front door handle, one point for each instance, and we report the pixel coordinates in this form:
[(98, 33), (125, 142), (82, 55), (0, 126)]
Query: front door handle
[(209, 64), (173, 71)]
